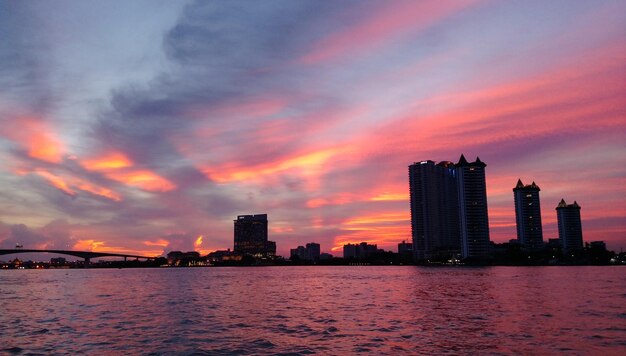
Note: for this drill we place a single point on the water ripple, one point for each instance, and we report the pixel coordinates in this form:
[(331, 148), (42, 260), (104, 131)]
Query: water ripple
[(314, 310)]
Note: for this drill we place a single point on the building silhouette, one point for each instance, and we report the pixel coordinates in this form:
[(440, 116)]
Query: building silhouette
[(359, 251), (298, 253), (309, 253), (528, 215), (325, 256), (405, 248), (570, 227), (222, 256), (312, 251), (473, 215), (434, 210), (449, 209), (251, 236), (58, 261), (179, 258)]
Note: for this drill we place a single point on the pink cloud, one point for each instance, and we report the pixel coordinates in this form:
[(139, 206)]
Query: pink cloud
[(390, 21)]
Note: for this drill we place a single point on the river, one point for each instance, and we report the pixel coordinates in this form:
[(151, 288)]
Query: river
[(329, 310)]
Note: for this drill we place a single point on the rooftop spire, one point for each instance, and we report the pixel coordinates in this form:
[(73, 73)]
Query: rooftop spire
[(462, 161), (478, 163), (563, 204)]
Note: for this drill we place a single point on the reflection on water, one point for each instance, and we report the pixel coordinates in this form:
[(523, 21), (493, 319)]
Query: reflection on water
[(327, 310)]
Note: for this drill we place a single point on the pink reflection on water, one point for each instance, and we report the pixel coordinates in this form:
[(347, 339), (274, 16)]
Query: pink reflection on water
[(327, 310)]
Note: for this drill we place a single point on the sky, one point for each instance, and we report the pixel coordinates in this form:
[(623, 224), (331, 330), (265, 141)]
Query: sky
[(147, 126)]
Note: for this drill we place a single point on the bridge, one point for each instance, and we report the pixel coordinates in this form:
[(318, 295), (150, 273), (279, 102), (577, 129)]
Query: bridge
[(87, 255)]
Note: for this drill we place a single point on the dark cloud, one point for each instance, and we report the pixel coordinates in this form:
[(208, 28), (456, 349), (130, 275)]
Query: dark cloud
[(24, 57), (180, 242), (21, 234), (246, 35), (228, 54)]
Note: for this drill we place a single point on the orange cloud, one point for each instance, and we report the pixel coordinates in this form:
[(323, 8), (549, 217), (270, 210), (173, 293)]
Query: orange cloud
[(198, 242), (159, 242), (88, 245), (385, 193), (142, 179), (69, 185), (118, 167), (385, 229), (44, 147), (113, 160), (308, 164), (379, 218), (38, 138), (197, 246), (100, 246), (96, 189), (388, 196), (56, 182)]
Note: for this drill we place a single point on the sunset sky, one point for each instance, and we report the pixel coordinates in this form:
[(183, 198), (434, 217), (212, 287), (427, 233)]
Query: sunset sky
[(148, 126)]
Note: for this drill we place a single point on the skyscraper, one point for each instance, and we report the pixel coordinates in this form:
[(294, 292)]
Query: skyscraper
[(251, 236), (528, 215), (434, 210), (473, 215), (313, 251), (570, 227)]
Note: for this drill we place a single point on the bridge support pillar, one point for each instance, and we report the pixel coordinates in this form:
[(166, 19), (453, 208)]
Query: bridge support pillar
[(87, 261)]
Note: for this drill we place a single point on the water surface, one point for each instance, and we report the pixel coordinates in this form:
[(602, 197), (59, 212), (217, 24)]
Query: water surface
[(324, 310)]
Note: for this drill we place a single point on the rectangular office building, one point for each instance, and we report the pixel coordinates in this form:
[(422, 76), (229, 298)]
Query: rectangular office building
[(251, 236)]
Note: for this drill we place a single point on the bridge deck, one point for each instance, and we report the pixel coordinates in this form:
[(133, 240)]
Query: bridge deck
[(81, 254)]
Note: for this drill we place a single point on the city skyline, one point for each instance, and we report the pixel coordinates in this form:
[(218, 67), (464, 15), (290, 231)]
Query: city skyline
[(121, 132)]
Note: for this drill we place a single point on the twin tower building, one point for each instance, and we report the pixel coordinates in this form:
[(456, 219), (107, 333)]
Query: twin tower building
[(449, 212)]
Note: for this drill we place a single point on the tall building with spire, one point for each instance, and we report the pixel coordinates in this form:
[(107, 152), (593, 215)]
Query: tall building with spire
[(449, 209), (528, 215), (434, 210), (473, 215), (570, 227)]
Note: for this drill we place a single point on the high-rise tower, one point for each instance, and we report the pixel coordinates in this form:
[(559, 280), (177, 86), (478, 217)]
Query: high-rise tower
[(251, 236), (570, 227), (473, 215), (528, 215), (434, 210)]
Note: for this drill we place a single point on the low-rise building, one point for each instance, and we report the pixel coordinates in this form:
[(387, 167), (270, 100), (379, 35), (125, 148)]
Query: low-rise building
[(359, 251), (309, 253)]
